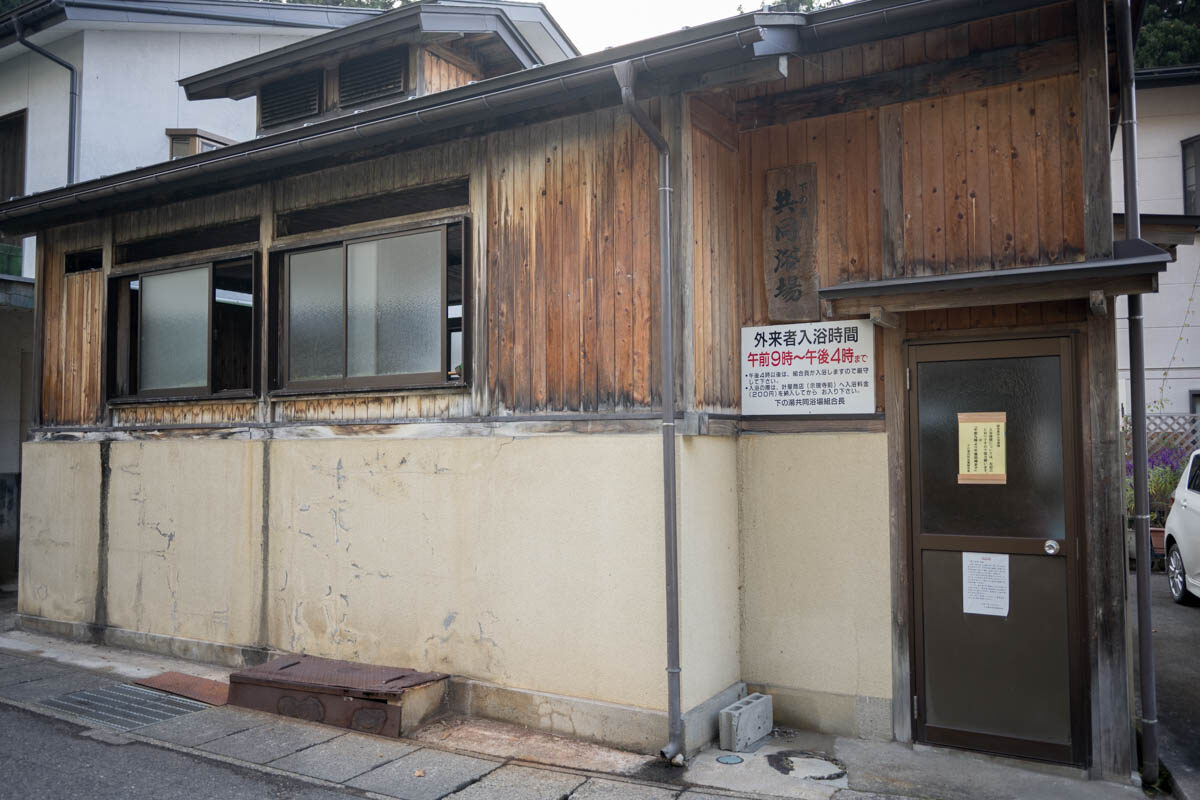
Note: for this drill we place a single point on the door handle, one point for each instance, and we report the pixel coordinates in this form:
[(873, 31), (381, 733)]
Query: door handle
[(1051, 547)]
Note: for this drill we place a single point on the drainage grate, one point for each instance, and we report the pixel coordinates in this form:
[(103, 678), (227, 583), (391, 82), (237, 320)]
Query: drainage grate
[(123, 706)]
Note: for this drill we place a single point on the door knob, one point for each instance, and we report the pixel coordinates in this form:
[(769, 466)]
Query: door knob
[(1051, 547)]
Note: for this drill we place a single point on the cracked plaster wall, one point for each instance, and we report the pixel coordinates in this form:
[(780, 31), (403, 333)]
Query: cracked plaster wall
[(60, 530), (185, 547), (816, 578), (710, 623), (533, 563)]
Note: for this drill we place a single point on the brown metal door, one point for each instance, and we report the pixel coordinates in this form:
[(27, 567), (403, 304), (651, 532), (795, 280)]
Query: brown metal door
[(997, 657)]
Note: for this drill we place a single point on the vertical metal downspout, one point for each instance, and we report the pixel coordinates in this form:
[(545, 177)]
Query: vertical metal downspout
[(624, 73), (73, 121), (1137, 402)]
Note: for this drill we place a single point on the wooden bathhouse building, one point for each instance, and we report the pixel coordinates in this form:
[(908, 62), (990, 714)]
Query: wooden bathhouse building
[(772, 354)]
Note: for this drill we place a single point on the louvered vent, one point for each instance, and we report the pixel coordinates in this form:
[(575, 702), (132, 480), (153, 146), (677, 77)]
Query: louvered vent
[(370, 76), (290, 98)]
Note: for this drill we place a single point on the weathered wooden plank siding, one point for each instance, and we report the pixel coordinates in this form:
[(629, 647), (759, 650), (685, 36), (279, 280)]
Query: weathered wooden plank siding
[(441, 74), (715, 330), (163, 414), (433, 164), (981, 179), (214, 209), (73, 318), (572, 265)]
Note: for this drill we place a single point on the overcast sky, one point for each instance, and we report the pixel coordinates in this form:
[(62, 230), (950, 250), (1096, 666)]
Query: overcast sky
[(596, 24)]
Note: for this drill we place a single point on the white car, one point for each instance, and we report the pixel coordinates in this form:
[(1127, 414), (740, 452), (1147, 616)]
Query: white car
[(1183, 535)]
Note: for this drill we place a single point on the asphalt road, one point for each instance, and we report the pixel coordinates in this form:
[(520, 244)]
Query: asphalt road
[(46, 758), (1177, 667)]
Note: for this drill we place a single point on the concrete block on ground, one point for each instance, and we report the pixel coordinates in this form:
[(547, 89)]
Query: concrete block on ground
[(424, 775), (201, 727), (272, 741), (348, 756), (521, 783), (743, 723), (599, 789), (419, 704)]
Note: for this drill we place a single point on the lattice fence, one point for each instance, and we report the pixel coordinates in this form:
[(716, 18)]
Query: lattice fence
[(1167, 432)]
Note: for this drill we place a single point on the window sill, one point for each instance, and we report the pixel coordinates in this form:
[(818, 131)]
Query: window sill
[(373, 391), (220, 397)]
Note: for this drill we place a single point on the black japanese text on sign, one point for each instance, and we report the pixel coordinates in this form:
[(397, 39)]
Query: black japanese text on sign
[(790, 244), (809, 368)]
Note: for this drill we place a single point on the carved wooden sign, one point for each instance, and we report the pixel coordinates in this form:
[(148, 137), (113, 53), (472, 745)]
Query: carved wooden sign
[(790, 244)]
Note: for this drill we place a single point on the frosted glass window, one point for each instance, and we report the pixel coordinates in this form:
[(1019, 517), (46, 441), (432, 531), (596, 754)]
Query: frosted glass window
[(174, 330), (394, 305), (315, 315)]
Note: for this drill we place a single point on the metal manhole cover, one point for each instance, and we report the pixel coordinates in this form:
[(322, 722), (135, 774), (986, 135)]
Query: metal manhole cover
[(123, 706)]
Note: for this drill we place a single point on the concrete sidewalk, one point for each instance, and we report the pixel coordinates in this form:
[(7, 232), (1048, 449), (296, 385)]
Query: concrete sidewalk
[(470, 759)]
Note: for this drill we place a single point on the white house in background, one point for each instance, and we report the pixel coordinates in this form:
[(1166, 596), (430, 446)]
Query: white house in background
[(128, 56), (1168, 101)]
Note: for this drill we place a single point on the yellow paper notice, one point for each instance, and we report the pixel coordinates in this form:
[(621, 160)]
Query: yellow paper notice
[(981, 450)]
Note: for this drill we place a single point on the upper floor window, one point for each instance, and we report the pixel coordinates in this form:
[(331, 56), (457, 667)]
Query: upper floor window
[(190, 141), (1191, 155), (184, 332), (379, 312)]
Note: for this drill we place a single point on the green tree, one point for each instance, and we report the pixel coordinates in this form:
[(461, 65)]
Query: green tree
[(1170, 34)]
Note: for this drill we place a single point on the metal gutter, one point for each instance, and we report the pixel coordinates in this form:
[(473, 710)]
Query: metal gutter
[(431, 113), (1137, 402), (1130, 257), (626, 76), (1162, 77), (1187, 220), (73, 112)]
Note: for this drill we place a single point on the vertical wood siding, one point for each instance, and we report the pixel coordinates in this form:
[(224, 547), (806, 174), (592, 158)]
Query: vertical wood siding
[(572, 266), (72, 314), (978, 180), (715, 325), (441, 74)]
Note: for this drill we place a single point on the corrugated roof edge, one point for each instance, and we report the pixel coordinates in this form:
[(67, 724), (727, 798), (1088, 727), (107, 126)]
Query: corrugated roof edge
[(451, 107)]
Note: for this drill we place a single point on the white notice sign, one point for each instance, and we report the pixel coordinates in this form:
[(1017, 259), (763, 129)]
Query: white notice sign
[(809, 368), (985, 583)]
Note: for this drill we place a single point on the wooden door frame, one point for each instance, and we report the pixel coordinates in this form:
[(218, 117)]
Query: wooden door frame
[(1033, 344)]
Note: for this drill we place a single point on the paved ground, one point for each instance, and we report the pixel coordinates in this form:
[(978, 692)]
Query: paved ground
[(229, 752), (1177, 666)]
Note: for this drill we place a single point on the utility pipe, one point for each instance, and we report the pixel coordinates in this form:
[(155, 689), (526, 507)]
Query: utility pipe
[(73, 121), (1137, 385), (625, 74)]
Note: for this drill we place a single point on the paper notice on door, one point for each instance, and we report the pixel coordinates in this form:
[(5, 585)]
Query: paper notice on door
[(981, 447), (985, 583)]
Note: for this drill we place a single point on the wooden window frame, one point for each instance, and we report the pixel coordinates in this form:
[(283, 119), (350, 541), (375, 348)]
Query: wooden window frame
[(120, 355), (281, 354)]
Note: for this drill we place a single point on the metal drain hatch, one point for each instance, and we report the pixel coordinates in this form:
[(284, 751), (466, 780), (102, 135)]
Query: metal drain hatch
[(123, 706)]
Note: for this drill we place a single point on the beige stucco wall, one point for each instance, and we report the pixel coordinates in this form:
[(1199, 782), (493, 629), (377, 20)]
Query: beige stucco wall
[(710, 621), (60, 530), (816, 613), (185, 539), (534, 563)]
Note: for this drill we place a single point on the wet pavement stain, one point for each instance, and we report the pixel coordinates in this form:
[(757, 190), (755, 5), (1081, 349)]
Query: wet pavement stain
[(783, 764)]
